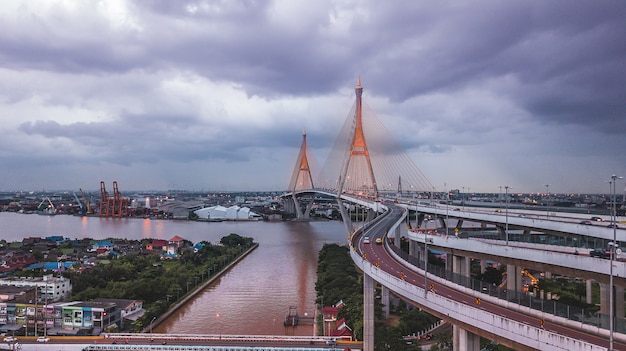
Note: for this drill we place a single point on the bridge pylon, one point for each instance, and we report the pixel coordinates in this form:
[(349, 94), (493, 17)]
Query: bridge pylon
[(301, 179), (357, 174)]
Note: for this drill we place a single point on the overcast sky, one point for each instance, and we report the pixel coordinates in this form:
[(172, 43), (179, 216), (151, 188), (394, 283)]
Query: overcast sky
[(214, 95)]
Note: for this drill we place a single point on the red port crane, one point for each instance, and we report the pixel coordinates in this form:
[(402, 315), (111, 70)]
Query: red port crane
[(116, 206)]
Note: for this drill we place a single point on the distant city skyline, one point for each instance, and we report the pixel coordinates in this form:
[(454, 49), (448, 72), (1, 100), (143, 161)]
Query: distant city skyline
[(211, 96)]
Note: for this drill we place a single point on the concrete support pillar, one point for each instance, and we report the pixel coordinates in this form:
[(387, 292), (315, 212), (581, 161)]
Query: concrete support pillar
[(513, 280), (604, 305), (449, 263), (483, 266), (589, 283), (368, 313), (398, 234), (371, 214), (464, 340), (619, 308), (460, 268), (413, 248), (297, 208), (443, 224), (420, 219), (292, 206), (501, 231), (307, 212), (384, 299)]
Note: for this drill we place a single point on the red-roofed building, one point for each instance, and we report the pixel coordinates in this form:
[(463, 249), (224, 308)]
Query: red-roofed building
[(342, 330), (17, 261), (157, 245), (329, 314), (174, 244)]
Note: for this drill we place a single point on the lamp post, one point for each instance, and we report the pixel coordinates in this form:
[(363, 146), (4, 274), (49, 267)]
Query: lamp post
[(219, 325), (614, 178), (151, 323), (506, 226), (463, 198), (432, 197), (547, 201), (445, 186), (425, 262)]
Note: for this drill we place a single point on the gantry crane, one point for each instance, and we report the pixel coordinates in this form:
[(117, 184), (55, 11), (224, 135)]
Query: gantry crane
[(116, 206), (86, 202)]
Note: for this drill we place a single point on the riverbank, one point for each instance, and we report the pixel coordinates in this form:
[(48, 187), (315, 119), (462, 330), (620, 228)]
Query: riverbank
[(192, 294)]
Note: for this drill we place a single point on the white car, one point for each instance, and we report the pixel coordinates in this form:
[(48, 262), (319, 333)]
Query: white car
[(10, 339), (43, 339), (366, 240)]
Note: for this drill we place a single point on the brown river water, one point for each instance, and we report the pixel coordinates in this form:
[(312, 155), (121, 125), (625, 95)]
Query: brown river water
[(252, 298)]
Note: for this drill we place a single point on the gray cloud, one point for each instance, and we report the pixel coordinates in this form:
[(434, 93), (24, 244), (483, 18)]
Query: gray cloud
[(501, 88)]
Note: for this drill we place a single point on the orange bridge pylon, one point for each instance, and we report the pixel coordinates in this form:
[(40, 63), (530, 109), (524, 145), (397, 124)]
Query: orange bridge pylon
[(301, 179), (357, 174)]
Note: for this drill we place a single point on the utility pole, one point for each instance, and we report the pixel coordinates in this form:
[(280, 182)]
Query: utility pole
[(506, 227), (614, 178), (547, 201)]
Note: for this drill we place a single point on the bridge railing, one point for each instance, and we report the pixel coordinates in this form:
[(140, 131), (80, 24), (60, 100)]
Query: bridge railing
[(578, 314)]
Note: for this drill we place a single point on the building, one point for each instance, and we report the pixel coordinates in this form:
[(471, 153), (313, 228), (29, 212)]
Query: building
[(157, 245), (83, 318), (130, 310), (63, 318), (50, 288), (221, 213)]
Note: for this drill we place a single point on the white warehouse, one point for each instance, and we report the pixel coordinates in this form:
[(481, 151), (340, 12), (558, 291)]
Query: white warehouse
[(221, 213)]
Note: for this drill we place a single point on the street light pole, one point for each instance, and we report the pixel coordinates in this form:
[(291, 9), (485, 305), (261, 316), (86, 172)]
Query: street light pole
[(432, 197), (463, 198), (445, 186), (219, 325), (614, 178), (548, 201), (425, 262), (506, 226)]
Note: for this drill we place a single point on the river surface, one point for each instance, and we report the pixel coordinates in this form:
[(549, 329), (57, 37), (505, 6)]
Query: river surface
[(252, 298)]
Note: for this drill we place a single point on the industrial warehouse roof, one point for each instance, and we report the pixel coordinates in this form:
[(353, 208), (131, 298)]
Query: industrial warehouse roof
[(233, 213)]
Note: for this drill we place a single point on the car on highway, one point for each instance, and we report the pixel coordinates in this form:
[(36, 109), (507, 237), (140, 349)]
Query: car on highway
[(366, 240), (379, 241), (10, 339), (613, 225), (602, 253), (43, 339), (585, 222), (597, 219)]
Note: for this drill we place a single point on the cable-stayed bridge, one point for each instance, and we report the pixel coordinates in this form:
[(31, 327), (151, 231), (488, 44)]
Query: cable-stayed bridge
[(366, 168)]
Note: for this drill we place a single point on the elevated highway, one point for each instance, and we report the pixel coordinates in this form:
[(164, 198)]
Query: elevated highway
[(569, 226), (477, 314)]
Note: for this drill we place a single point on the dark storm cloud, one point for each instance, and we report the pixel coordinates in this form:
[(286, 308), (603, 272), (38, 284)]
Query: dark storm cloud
[(568, 60), (147, 138), (228, 80)]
